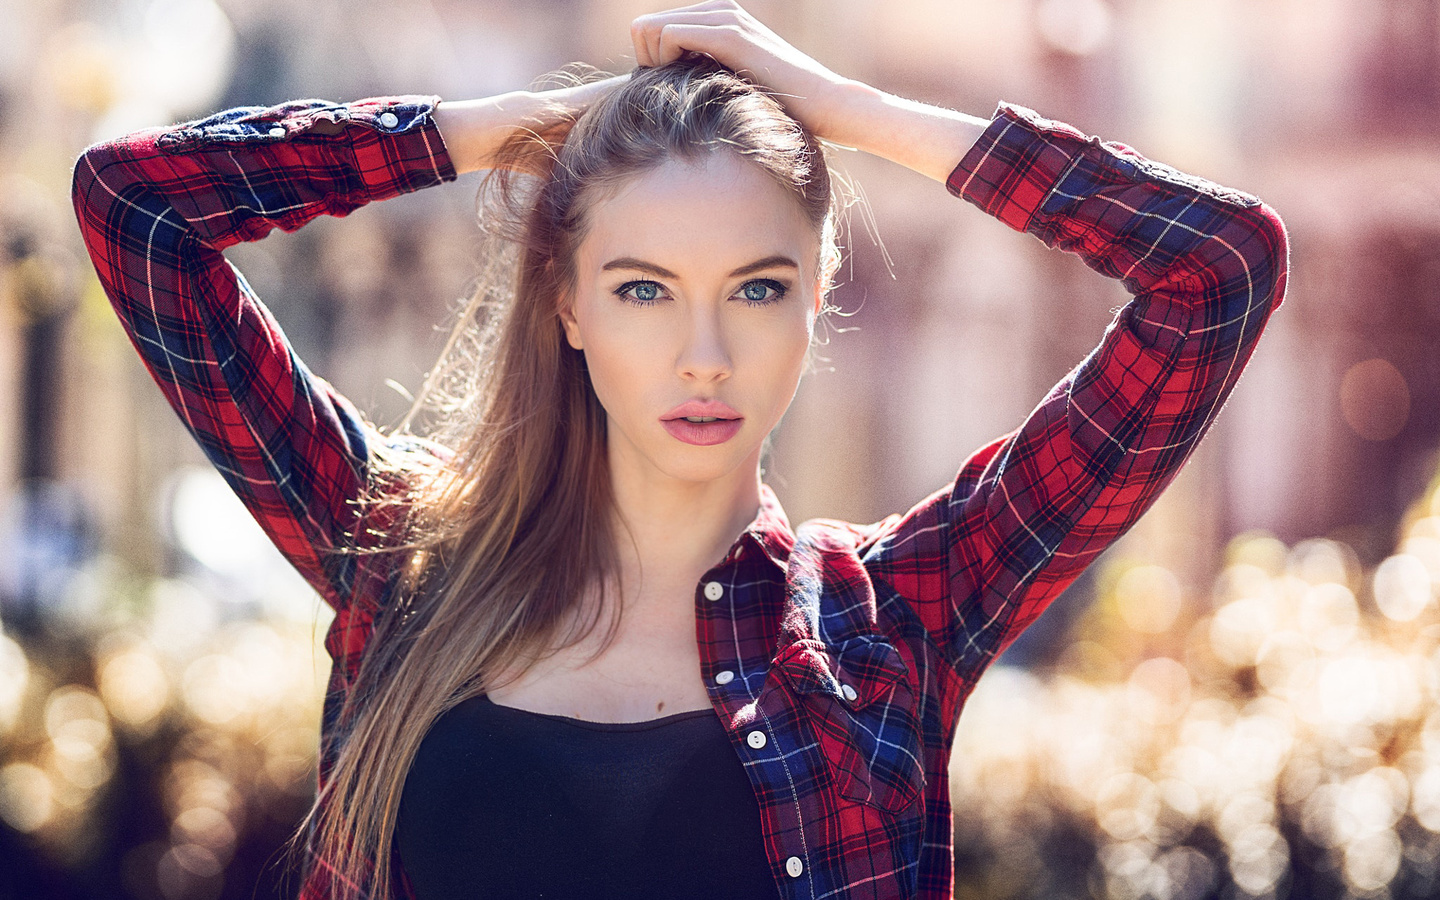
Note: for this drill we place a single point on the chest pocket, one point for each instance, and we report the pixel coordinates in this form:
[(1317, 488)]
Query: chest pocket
[(863, 710)]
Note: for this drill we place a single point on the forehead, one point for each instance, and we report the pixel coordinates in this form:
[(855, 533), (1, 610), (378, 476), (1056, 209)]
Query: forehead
[(710, 210)]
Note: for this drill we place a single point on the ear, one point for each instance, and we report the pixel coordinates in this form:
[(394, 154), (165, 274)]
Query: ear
[(821, 288), (571, 325)]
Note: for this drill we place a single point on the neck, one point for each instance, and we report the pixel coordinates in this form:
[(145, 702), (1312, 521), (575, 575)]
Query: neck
[(680, 528)]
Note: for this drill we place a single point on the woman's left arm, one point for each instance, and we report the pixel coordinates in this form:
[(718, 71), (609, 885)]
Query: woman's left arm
[(976, 562), (1205, 265), (979, 560)]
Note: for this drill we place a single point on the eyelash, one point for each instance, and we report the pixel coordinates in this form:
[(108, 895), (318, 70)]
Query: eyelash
[(780, 292)]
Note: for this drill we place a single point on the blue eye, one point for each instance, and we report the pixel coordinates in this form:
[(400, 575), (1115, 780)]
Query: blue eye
[(752, 292), (646, 292)]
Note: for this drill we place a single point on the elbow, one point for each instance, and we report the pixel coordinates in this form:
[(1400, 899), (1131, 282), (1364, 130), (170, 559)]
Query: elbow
[(101, 192), (106, 170), (104, 191), (82, 174), (85, 184), (1268, 250)]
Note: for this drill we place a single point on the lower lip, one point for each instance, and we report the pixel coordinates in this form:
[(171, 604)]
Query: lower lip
[(702, 433)]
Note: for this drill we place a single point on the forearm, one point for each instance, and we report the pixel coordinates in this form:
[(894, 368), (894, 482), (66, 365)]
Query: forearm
[(474, 129), (156, 207), (929, 139), (238, 174)]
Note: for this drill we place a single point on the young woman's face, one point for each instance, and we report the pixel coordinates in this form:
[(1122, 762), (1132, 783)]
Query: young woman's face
[(695, 282)]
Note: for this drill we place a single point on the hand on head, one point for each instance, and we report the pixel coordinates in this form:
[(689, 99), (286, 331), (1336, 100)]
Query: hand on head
[(724, 31), (721, 29)]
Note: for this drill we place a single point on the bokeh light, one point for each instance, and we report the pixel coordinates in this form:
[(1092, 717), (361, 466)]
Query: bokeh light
[(1219, 718), (1375, 399), (134, 685), (1403, 587), (14, 676), (1293, 751), (27, 796)]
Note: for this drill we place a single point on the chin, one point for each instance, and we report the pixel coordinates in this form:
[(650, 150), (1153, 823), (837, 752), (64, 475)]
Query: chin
[(699, 470), (688, 462)]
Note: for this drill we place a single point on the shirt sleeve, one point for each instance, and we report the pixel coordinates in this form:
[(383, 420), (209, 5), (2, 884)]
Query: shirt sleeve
[(980, 559), (157, 207)]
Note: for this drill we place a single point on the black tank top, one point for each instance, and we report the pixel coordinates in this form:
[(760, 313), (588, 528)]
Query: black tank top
[(506, 803)]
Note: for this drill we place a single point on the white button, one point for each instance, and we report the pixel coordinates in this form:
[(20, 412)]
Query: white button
[(277, 131), (714, 590), (849, 692), (794, 866), (724, 677), (389, 120), (755, 739)]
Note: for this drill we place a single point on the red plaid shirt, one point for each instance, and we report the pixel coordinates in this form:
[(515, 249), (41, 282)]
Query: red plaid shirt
[(852, 647)]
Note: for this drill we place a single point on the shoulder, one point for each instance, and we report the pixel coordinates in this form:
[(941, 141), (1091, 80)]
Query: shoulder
[(838, 534)]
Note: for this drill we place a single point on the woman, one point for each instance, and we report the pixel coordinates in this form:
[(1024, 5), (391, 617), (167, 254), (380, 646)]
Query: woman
[(768, 711)]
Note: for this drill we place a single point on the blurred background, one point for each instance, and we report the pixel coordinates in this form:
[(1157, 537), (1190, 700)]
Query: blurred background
[(1238, 700)]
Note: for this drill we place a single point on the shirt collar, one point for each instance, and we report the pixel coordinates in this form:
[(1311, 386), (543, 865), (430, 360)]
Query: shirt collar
[(770, 530)]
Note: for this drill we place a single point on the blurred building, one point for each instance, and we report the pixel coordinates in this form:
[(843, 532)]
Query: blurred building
[(1327, 109), (1323, 109)]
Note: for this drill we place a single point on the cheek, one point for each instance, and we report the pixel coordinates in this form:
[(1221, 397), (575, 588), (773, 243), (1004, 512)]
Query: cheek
[(619, 359), (789, 335), (776, 354)]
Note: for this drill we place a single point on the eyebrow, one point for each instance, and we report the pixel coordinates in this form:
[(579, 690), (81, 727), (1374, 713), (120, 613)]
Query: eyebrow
[(640, 265)]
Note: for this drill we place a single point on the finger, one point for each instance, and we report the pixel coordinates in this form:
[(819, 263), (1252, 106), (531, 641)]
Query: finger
[(699, 7), (718, 41), (646, 31), (642, 49)]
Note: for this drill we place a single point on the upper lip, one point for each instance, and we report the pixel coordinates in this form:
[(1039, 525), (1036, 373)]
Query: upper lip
[(702, 408)]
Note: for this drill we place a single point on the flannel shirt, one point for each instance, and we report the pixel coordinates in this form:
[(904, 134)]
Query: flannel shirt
[(850, 648)]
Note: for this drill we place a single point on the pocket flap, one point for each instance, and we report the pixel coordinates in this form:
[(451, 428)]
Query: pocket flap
[(868, 664)]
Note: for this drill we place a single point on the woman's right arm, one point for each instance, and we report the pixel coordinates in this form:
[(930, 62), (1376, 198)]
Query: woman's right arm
[(157, 207), (474, 129)]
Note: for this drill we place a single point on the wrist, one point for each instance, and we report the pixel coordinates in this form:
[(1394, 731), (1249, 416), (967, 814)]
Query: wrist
[(849, 108), (929, 139), (473, 129)]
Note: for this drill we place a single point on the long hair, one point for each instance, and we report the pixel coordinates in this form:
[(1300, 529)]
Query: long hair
[(501, 536)]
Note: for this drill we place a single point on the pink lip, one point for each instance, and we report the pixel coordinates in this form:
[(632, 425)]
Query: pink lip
[(702, 408), (702, 434)]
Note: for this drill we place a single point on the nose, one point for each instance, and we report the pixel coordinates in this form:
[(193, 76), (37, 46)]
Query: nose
[(704, 352)]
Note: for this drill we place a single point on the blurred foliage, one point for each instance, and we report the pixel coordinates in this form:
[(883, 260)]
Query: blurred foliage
[(1279, 738), (1284, 743), (162, 745)]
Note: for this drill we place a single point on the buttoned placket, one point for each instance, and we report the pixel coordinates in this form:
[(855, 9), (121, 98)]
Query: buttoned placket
[(713, 592)]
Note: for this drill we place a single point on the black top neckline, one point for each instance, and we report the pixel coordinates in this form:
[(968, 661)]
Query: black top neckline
[(644, 725), (519, 805)]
